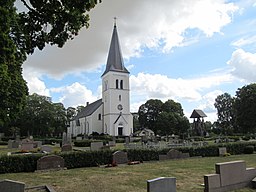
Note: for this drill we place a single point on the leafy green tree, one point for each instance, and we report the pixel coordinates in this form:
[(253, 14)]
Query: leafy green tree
[(44, 22), (224, 104), (163, 118), (41, 117), (149, 112), (245, 109), (13, 89)]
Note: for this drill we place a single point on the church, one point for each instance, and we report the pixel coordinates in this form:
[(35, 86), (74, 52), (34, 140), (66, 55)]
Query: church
[(110, 115)]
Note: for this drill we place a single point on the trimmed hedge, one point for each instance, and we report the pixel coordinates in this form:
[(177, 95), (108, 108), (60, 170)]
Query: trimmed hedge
[(27, 163), (87, 143), (86, 158), (18, 163)]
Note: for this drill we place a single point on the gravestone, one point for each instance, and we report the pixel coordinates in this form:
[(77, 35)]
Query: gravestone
[(13, 144), (11, 186), (50, 162), (127, 140), (79, 138), (64, 138), (66, 147), (229, 176), (112, 143), (69, 138), (38, 144), (27, 146), (120, 157), (222, 151), (46, 148), (174, 154), (96, 146), (162, 184)]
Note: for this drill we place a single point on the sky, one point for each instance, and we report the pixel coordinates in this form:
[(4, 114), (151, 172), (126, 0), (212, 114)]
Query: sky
[(189, 51)]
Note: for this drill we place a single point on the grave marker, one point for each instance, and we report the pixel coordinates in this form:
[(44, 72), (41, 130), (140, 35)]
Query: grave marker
[(96, 146), (120, 157), (162, 184), (11, 186), (50, 162)]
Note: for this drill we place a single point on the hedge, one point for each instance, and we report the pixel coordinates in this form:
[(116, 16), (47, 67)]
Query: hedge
[(27, 163)]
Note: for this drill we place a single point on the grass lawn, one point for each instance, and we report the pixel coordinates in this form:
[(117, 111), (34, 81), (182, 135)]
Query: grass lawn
[(188, 172)]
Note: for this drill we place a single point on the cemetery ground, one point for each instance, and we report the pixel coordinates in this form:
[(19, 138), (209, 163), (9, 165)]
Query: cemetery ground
[(133, 178)]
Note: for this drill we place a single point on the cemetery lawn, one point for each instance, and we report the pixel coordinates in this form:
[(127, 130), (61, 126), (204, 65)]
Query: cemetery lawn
[(133, 178)]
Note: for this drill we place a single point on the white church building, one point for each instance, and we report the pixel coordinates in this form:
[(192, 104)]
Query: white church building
[(110, 115)]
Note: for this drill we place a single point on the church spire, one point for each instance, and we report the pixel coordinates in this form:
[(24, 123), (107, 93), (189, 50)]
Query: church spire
[(115, 59)]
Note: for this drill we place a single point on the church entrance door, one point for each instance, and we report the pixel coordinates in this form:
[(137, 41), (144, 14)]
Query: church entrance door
[(120, 131)]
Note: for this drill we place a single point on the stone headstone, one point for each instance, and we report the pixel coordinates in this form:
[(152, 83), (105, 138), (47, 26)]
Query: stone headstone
[(66, 147), (38, 144), (69, 138), (127, 140), (222, 151), (79, 138), (112, 143), (64, 138), (120, 157), (27, 146), (173, 154), (96, 146), (46, 148), (50, 162), (162, 184), (11, 186), (13, 144)]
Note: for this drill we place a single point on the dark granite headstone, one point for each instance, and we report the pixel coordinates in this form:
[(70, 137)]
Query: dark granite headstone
[(11, 186), (66, 147), (50, 162), (120, 157)]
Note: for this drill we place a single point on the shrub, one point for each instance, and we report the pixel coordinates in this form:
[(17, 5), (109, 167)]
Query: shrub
[(87, 143), (18, 163), (249, 149)]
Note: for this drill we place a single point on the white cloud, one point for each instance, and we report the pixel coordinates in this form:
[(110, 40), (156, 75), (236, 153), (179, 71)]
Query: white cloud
[(245, 41), (144, 23), (244, 65), (163, 87), (34, 83), (75, 95)]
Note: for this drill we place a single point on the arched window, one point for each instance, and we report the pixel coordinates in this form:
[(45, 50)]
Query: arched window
[(121, 84), (116, 83), (120, 97), (106, 85)]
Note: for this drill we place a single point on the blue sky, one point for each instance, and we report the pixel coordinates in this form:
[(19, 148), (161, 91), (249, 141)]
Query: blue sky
[(188, 51)]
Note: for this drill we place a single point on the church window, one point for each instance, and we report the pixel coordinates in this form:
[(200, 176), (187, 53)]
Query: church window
[(77, 122), (121, 84), (116, 83), (106, 85), (120, 97), (99, 117)]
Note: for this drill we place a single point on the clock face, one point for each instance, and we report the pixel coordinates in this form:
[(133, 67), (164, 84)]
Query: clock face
[(119, 107)]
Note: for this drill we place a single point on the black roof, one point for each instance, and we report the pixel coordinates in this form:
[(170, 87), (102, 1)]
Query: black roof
[(89, 109), (115, 59), (197, 113)]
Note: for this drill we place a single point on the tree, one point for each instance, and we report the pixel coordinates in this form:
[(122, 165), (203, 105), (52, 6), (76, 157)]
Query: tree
[(245, 109), (41, 117), (163, 118), (149, 112), (224, 104), (13, 88), (44, 22)]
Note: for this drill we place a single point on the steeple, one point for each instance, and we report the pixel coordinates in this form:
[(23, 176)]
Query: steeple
[(115, 59)]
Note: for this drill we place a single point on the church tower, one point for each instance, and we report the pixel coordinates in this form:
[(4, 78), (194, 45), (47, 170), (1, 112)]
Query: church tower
[(117, 119)]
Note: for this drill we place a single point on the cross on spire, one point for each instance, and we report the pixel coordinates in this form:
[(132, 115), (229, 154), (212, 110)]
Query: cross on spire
[(115, 18)]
